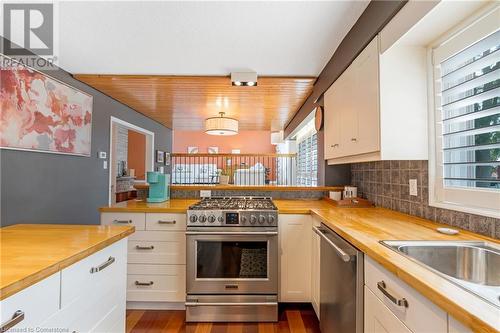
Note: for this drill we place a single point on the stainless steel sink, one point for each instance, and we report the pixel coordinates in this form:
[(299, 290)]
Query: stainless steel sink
[(475, 266)]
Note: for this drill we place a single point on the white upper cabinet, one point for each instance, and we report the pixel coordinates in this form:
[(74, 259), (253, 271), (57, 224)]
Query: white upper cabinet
[(377, 108)]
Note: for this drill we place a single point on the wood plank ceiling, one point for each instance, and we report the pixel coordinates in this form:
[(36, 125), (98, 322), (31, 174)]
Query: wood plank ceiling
[(184, 102)]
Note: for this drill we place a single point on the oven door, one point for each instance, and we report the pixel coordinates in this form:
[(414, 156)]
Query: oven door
[(232, 261)]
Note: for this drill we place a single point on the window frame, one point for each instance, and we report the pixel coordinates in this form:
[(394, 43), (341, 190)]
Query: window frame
[(313, 174), (470, 200)]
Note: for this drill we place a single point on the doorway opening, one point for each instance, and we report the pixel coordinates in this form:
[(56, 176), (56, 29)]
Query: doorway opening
[(131, 155)]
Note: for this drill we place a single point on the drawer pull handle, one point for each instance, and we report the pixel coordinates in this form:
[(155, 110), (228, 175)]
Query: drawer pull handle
[(399, 302), (122, 221), (138, 247), (334, 145), (16, 319), (137, 283), (167, 222), (102, 266)]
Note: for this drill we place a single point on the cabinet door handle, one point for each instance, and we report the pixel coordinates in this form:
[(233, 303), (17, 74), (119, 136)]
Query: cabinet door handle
[(354, 139), (17, 317), (334, 145), (139, 247), (167, 222), (137, 283), (102, 266), (399, 302), (122, 221)]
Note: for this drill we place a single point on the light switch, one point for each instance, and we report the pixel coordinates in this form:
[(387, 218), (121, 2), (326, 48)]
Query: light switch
[(105, 165), (413, 187)]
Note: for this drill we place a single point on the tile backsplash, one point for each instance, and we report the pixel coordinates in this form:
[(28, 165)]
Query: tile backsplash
[(386, 183)]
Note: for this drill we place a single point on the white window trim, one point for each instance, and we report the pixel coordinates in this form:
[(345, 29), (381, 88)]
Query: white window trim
[(459, 199)]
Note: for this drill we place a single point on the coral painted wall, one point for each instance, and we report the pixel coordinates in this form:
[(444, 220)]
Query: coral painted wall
[(246, 141), (137, 154)]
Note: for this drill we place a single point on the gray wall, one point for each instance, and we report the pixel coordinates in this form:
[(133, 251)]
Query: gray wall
[(53, 188)]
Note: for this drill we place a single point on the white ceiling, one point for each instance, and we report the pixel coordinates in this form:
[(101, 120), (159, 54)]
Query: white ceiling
[(202, 38)]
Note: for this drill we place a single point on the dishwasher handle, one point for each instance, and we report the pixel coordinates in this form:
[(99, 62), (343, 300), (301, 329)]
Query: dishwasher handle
[(344, 256)]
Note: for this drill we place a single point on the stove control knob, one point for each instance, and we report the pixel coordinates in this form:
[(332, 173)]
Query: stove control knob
[(253, 219), (243, 219), (211, 218), (193, 218), (271, 219), (220, 219), (202, 218), (262, 219)]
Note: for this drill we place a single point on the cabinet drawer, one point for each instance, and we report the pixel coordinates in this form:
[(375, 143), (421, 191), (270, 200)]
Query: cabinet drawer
[(164, 222), (138, 220), (158, 236), (153, 252), (378, 318), (81, 282), (418, 306), (38, 302), (156, 283)]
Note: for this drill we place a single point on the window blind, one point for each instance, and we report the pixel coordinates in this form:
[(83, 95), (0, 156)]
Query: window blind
[(470, 114), (307, 161)]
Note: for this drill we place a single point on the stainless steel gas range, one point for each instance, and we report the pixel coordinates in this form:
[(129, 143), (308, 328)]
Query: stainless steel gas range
[(232, 260)]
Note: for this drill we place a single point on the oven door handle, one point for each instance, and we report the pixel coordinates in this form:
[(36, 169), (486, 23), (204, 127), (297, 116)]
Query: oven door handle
[(239, 233), (230, 304)]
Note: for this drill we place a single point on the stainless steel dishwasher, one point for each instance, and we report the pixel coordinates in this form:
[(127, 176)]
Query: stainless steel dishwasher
[(342, 279)]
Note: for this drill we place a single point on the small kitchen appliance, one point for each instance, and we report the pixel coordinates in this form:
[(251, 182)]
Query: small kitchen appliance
[(158, 186), (232, 260)]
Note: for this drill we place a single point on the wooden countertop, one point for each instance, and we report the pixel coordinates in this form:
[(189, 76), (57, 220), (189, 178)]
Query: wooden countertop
[(365, 228), (230, 187), (31, 252)]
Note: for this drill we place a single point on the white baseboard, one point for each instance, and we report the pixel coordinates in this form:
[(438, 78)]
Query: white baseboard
[(156, 306)]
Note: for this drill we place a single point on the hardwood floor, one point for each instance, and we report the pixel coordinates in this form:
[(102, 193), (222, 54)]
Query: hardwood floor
[(292, 319)]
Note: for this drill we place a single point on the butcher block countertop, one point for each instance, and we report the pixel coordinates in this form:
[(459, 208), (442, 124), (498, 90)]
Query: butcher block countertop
[(365, 228), (31, 252)]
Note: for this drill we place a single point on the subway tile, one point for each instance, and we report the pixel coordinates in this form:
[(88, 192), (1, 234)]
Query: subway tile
[(387, 202), (404, 177), (404, 192), (415, 165), (395, 179), (482, 225), (416, 209), (395, 191), (404, 206), (394, 164), (387, 189), (415, 174), (386, 176), (444, 216), (460, 220), (429, 212), (395, 204)]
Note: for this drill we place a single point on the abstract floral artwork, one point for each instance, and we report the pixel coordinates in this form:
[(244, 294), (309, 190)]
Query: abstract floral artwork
[(40, 113)]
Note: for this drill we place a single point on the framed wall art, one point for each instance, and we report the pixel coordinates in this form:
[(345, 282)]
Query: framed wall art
[(41, 113)]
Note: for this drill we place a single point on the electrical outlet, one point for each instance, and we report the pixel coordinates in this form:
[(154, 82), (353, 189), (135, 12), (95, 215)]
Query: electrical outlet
[(413, 187), (105, 165), (102, 155), (205, 193)]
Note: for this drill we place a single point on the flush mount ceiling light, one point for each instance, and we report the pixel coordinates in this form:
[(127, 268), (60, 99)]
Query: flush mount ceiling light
[(248, 79), (221, 125)]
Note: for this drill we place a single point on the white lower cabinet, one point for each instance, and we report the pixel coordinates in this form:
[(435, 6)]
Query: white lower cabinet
[(31, 307), (382, 315), (294, 234), (378, 318), (156, 271), (87, 296)]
